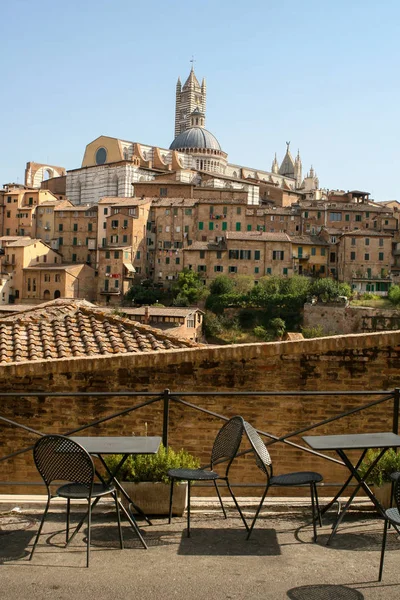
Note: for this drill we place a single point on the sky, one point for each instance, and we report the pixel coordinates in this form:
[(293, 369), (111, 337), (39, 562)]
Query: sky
[(322, 75)]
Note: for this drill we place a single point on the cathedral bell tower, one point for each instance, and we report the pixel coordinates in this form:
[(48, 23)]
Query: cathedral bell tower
[(190, 97)]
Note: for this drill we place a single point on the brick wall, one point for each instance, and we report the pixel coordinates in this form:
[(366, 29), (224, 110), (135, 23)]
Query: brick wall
[(354, 362), (340, 319)]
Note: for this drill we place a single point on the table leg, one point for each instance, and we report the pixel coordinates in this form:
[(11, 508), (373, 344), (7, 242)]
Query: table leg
[(361, 483), (342, 489), (120, 488)]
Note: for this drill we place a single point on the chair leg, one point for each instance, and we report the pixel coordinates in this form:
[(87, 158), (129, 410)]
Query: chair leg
[(40, 526), (257, 513), (383, 550), (171, 497), (313, 512), (237, 505), (121, 541), (68, 513), (317, 504), (219, 498), (188, 511), (88, 533)]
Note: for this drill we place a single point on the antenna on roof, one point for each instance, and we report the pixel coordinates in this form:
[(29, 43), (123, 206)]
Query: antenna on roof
[(192, 60)]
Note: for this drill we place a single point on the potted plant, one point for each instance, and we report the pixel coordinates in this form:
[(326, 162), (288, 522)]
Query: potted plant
[(380, 474), (145, 479)]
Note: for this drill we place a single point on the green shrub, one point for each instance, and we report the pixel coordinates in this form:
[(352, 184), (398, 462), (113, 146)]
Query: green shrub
[(212, 324), (394, 294), (152, 467), (261, 333), (380, 474), (313, 332), (277, 326)]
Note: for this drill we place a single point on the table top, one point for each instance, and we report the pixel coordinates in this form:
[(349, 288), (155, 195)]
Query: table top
[(353, 441), (119, 444)]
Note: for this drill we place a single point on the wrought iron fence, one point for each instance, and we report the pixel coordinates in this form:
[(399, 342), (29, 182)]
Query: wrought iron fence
[(167, 397)]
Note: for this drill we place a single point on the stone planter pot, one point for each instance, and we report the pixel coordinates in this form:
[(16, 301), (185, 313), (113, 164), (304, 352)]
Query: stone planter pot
[(153, 498), (382, 493)]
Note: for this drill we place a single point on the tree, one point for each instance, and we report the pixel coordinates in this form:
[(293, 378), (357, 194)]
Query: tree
[(243, 284), (221, 285), (394, 294), (188, 286)]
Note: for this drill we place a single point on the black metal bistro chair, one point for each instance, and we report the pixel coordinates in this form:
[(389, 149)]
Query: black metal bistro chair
[(392, 517), (225, 448), (58, 458), (302, 478)]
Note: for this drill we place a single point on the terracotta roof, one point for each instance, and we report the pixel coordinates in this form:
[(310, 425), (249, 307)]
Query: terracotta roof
[(72, 329), (308, 239), (366, 233), (166, 311), (256, 236)]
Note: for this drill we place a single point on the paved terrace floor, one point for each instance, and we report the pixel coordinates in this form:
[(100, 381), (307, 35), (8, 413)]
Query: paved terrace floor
[(280, 560)]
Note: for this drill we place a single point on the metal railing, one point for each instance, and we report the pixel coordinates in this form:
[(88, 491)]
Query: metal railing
[(183, 398)]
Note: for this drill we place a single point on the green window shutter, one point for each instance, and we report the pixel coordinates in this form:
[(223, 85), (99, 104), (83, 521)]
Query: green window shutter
[(269, 270), (224, 225), (211, 226), (75, 226), (90, 226), (201, 225), (248, 227), (256, 269), (285, 270), (238, 226), (313, 251), (347, 217), (75, 241), (257, 255)]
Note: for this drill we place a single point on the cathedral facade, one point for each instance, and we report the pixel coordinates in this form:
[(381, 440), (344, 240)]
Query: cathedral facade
[(112, 166)]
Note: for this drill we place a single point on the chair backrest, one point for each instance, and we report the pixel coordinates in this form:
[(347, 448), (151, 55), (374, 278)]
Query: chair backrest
[(227, 442), (58, 458), (263, 459)]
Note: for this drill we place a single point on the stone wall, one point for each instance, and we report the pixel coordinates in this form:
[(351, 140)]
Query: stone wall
[(356, 362), (340, 319)]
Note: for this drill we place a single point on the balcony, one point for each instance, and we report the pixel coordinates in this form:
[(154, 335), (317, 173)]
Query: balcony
[(111, 292), (304, 256)]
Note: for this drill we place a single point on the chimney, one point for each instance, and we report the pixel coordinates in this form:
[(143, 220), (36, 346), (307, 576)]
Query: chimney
[(147, 315)]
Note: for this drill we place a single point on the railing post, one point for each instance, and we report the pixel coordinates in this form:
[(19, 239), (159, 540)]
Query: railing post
[(396, 407), (166, 396)]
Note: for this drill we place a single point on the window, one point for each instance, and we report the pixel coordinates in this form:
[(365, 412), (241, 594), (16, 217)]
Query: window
[(366, 256), (335, 216), (318, 215), (238, 226), (232, 269), (116, 254), (332, 257), (367, 241), (107, 254), (138, 255), (175, 212), (218, 269), (60, 241), (381, 242), (114, 239), (224, 225), (306, 214), (239, 210), (347, 217), (322, 251), (75, 228), (29, 284), (188, 211), (33, 285), (269, 270), (8, 214), (163, 192), (233, 254), (278, 255), (300, 252), (219, 254), (380, 256), (248, 227), (124, 239), (313, 251), (257, 254), (116, 283), (177, 260), (285, 271), (211, 210), (178, 229), (256, 270), (333, 239), (201, 268), (167, 260), (210, 226), (108, 269), (60, 227), (352, 256), (367, 214), (201, 225), (167, 211), (114, 223), (322, 269), (74, 258), (46, 277), (245, 255), (75, 241), (353, 241), (358, 218)]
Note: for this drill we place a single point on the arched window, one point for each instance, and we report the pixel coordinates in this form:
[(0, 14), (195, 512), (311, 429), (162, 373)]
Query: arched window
[(46, 295), (57, 294)]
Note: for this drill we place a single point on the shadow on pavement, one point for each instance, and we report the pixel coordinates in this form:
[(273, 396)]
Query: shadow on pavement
[(229, 542)]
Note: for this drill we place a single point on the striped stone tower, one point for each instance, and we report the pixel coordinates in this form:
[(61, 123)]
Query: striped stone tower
[(189, 97)]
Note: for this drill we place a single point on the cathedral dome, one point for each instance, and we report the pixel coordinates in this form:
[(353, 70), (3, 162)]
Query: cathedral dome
[(195, 137)]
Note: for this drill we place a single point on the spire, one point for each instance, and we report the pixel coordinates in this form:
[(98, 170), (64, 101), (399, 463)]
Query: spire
[(275, 165), (287, 166)]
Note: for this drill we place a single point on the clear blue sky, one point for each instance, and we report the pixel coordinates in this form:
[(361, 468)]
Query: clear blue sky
[(324, 75)]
